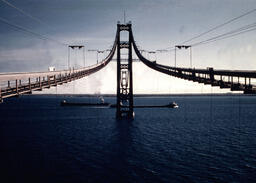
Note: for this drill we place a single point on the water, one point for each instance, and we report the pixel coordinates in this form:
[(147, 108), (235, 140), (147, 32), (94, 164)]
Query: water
[(207, 139)]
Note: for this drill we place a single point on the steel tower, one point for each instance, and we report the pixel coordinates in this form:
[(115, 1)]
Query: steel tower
[(124, 75)]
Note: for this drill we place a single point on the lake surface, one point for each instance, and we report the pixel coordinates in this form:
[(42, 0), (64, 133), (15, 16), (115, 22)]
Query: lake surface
[(206, 139)]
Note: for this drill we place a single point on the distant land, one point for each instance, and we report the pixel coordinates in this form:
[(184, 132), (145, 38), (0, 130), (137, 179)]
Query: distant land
[(151, 95)]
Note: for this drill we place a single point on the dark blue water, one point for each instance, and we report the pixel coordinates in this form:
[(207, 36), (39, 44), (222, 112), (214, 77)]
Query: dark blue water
[(207, 139)]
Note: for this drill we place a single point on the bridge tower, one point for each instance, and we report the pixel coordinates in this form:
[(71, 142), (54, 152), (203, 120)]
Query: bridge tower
[(124, 75)]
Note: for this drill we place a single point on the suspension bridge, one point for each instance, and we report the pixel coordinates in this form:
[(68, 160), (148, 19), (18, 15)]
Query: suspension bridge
[(16, 84)]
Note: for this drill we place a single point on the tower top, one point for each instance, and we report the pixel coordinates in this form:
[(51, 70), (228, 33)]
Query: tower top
[(128, 23)]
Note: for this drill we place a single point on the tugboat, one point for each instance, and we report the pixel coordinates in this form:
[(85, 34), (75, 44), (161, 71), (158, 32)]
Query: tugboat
[(173, 105)]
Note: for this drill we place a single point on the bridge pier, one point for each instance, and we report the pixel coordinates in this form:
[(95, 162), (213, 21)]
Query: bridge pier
[(29, 85), (55, 81), (66, 78), (60, 78), (70, 77), (17, 88), (211, 74), (40, 84), (49, 82)]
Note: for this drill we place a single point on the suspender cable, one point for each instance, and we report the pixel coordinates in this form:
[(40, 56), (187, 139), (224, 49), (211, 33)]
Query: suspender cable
[(25, 13), (23, 29), (219, 26)]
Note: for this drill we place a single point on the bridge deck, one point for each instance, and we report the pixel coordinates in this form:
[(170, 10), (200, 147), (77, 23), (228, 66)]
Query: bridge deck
[(235, 80), (21, 83)]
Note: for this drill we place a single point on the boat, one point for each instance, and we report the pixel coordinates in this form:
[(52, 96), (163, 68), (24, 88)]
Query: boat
[(173, 105), (170, 105), (65, 103)]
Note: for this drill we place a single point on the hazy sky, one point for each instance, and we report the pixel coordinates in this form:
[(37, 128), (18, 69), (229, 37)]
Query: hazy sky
[(157, 24)]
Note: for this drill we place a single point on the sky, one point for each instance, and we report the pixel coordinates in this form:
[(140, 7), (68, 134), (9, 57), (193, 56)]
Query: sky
[(156, 24)]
